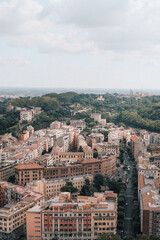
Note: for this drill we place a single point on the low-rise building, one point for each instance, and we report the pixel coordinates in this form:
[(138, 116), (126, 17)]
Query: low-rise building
[(81, 142), (96, 117), (100, 98), (55, 125), (99, 138), (154, 149), (80, 124), (26, 115), (52, 187), (15, 202)]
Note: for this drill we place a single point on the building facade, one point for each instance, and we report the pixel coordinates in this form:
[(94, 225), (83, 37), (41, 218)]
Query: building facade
[(135, 146), (15, 201), (87, 166), (52, 187), (25, 173), (64, 218)]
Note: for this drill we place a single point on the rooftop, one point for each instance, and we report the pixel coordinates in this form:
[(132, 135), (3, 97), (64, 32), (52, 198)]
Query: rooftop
[(134, 138), (29, 166), (151, 200)]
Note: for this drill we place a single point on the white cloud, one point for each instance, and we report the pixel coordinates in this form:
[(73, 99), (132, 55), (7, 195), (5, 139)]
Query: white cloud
[(14, 60), (119, 27)]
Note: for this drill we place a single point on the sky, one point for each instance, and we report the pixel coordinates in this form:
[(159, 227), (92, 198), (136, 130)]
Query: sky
[(80, 43)]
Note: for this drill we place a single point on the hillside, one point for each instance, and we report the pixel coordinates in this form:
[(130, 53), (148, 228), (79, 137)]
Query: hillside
[(141, 113)]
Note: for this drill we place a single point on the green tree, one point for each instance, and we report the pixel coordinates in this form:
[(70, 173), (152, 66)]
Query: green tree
[(11, 179), (142, 237), (80, 149), (69, 188), (128, 238), (95, 154), (87, 189), (98, 181), (109, 236), (154, 237)]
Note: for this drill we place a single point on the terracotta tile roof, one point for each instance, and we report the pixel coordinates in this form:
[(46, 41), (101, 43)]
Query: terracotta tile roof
[(110, 195), (18, 156), (149, 202), (28, 166), (141, 182), (134, 138)]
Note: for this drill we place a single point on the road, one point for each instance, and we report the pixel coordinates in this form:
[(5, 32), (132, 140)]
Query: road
[(128, 224)]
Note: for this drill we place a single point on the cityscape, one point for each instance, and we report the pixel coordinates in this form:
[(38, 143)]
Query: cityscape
[(70, 168), (79, 120)]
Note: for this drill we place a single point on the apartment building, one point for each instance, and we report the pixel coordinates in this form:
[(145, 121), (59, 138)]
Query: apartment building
[(154, 149), (157, 161), (65, 218), (63, 142), (52, 187), (26, 115), (25, 173), (81, 142), (100, 98), (155, 138), (6, 170), (55, 125), (135, 146), (148, 169), (80, 124), (106, 148), (69, 156), (99, 137), (87, 166), (150, 212), (96, 117), (15, 202), (23, 136)]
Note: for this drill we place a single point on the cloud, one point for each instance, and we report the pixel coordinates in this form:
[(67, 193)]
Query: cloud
[(86, 14), (14, 60), (119, 27)]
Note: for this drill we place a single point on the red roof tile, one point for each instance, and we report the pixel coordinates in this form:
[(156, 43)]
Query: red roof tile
[(134, 138), (28, 166)]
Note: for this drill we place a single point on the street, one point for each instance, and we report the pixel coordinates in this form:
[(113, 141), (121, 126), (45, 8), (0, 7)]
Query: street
[(128, 225)]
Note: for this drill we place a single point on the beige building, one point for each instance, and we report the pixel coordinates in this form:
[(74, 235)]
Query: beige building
[(106, 148), (52, 187), (96, 117), (26, 115), (65, 218), (15, 201), (25, 173), (80, 124), (55, 125), (6, 170), (135, 146)]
